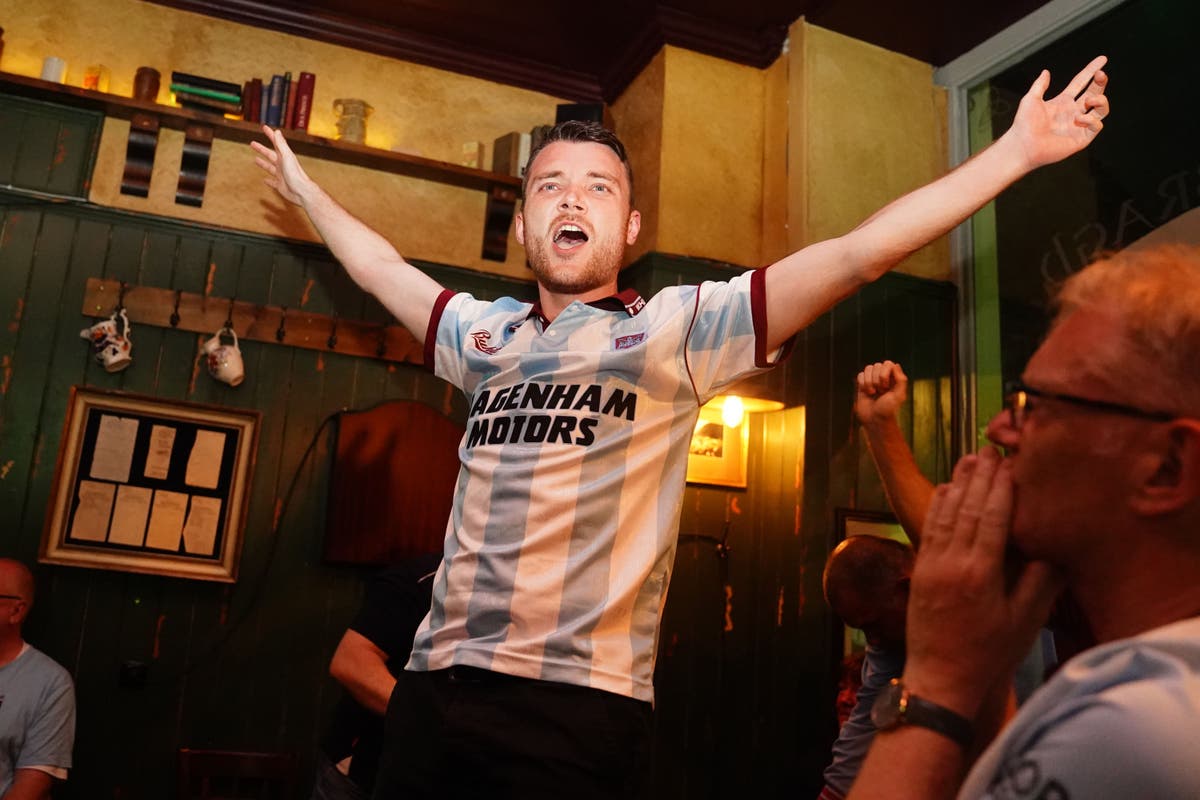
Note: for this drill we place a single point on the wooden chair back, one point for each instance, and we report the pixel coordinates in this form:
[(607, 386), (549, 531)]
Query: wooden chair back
[(236, 775)]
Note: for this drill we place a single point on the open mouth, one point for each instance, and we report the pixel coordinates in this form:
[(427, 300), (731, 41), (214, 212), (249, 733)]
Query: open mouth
[(569, 236)]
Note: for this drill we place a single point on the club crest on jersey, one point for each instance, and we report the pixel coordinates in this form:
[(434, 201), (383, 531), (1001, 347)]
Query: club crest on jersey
[(481, 339), (626, 342)]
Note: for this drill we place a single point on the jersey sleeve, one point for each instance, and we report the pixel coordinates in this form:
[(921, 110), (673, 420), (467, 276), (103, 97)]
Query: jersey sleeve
[(458, 323), (728, 333)]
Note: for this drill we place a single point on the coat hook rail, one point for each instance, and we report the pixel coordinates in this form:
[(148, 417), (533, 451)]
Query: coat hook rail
[(185, 311)]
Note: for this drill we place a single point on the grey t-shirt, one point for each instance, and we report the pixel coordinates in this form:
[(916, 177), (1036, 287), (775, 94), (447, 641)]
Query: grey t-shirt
[(1118, 721), (37, 716)]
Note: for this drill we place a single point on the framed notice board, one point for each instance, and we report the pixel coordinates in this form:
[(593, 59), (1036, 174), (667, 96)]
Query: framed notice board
[(150, 485)]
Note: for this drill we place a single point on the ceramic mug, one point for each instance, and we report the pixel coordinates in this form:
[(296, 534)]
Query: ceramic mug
[(111, 341), (145, 84), (351, 121), (54, 69), (225, 360)]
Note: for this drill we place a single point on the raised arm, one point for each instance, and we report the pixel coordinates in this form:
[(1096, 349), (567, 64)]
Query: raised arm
[(368, 258), (805, 284), (882, 389)]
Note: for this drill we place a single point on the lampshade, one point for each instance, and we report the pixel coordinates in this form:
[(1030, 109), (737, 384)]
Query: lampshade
[(761, 392), (733, 408)]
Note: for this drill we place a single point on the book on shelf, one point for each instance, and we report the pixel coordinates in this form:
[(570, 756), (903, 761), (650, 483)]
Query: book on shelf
[(510, 152), (205, 83), (209, 106), (212, 94), (305, 85), (289, 101), (472, 155), (252, 100), (273, 111)]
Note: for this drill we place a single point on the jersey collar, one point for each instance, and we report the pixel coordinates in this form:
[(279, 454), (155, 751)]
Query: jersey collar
[(627, 300)]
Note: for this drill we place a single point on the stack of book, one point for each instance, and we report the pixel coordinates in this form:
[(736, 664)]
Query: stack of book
[(206, 94), (280, 103), (287, 103)]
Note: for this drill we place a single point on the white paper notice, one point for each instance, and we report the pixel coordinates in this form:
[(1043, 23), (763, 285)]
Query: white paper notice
[(114, 448), (91, 515), (129, 515), (200, 532), (158, 460), (204, 463), (166, 520)]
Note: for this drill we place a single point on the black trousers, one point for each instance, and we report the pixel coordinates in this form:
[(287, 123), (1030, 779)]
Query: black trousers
[(470, 733)]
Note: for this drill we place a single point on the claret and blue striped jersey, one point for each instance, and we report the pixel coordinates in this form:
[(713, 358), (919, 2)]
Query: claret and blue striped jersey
[(562, 534)]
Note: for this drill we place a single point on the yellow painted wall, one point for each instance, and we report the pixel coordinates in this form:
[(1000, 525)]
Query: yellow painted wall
[(638, 120), (418, 109), (866, 125), (710, 195), (693, 125), (775, 174), (754, 164)]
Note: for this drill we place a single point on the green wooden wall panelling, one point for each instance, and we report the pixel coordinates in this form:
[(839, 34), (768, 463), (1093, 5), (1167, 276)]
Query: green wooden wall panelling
[(46, 147)]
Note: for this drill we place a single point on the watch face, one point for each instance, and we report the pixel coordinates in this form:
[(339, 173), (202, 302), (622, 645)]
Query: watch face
[(885, 713)]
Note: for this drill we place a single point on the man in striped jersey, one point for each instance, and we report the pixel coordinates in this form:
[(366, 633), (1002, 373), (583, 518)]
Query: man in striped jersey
[(532, 674)]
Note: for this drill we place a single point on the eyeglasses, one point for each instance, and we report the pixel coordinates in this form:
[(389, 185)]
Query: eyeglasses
[(1017, 396)]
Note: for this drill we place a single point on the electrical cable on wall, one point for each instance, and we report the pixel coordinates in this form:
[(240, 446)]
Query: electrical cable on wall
[(256, 591)]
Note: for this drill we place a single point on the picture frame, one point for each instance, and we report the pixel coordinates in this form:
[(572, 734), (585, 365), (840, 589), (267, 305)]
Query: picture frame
[(854, 522), (148, 485), (717, 453)]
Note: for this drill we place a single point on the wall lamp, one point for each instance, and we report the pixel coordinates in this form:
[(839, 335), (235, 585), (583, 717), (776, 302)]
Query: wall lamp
[(733, 408)]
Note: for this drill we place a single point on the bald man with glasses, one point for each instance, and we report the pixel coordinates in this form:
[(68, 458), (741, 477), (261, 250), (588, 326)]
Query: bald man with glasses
[(1098, 491), (37, 699)]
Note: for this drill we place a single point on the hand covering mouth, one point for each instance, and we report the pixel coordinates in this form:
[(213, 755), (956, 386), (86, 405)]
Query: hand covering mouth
[(568, 235)]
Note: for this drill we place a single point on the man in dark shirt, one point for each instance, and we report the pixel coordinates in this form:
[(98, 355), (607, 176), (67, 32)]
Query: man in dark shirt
[(374, 648)]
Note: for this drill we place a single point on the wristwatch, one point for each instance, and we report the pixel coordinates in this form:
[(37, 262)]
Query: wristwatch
[(896, 706)]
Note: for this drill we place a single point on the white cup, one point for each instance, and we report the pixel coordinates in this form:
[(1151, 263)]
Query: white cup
[(54, 69), (225, 360), (111, 342)]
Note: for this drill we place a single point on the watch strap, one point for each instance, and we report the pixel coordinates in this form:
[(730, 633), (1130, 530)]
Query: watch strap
[(896, 706), (927, 714)]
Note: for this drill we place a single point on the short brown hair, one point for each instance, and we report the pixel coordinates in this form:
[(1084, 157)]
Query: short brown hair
[(865, 566), (574, 130)]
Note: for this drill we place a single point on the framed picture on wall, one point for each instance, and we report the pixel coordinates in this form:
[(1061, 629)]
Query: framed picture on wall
[(150, 485), (853, 522), (717, 454)]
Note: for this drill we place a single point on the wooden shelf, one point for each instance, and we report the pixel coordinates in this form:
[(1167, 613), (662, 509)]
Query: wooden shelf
[(502, 190)]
